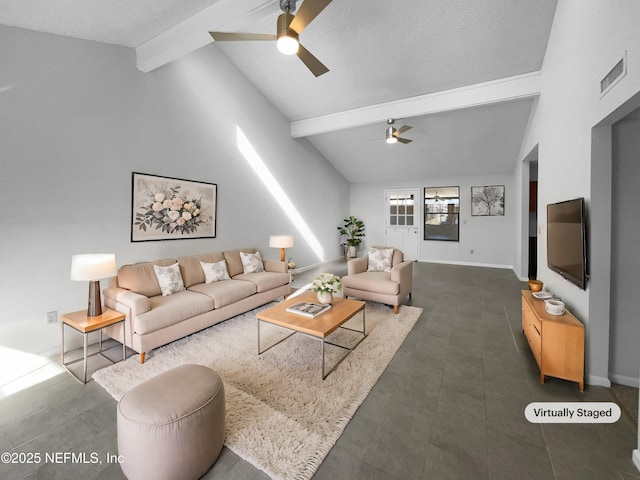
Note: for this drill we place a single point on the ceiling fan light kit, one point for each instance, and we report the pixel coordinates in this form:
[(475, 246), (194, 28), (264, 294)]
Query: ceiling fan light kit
[(390, 138), (287, 39), (289, 28)]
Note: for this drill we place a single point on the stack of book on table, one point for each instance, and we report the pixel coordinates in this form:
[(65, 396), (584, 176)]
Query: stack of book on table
[(308, 309)]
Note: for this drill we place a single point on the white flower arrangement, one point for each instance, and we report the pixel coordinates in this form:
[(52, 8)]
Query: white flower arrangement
[(327, 282)]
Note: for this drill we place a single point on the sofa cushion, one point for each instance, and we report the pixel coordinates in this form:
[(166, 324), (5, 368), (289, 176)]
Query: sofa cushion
[(234, 264), (192, 271), (169, 279), (225, 292), (379, 260), (141, 278), (166, 311), (378, 282), (214, 272), (265, 280), (251, 262)]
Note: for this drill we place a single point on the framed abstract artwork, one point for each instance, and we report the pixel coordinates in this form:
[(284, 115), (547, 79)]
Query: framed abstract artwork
[(487, 200), (165, 208)]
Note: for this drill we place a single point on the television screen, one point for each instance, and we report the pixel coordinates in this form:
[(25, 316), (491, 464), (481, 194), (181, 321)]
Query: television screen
[(566, 240)]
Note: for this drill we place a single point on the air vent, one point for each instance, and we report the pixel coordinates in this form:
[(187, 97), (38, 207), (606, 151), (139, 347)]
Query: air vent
[(613, 76)]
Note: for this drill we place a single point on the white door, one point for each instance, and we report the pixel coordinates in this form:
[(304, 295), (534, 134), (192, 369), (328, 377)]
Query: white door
[(402, 221)]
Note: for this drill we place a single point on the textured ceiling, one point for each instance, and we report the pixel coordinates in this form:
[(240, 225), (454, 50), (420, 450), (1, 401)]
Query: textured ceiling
[(380, 51), (377, 51), (119, 22), (471, 142)]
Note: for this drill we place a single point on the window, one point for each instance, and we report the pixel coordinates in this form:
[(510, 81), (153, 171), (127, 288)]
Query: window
[(401, 210), (442, 213)]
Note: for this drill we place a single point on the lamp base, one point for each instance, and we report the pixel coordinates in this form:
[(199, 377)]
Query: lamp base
[(282, 254), (95, 301)]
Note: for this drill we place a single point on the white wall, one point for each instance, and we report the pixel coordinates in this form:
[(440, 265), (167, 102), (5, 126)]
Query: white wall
[(491, 238), (77, 117), (587, 38)]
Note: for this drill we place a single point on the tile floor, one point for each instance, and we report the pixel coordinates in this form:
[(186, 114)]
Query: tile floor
[(449, 406)]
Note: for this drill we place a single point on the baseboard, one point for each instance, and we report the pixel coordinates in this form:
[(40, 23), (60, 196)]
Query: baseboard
[(598, 381), (467, 264), (624, 380), (316, 265), (636, 458)]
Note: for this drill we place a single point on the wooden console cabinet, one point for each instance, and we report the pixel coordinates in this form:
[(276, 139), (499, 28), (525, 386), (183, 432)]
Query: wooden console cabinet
[(557, 341)]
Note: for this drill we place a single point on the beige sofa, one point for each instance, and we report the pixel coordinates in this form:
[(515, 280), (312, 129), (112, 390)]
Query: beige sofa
[(153, 320), (389, 287)]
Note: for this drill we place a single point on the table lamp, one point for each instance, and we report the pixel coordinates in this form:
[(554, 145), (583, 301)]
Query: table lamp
[(92, 267), (281, 242)]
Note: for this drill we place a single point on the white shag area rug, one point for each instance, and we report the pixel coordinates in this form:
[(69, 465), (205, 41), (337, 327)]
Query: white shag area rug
[(281, 416)]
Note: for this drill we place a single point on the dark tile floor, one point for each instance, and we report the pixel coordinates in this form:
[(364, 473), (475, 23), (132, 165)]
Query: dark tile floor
[(449, 406)]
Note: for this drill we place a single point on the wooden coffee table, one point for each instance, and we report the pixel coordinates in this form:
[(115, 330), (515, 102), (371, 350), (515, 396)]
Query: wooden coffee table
[(320, 327)]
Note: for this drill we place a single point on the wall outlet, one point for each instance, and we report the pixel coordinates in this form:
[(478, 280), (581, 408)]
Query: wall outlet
[(52, 317)]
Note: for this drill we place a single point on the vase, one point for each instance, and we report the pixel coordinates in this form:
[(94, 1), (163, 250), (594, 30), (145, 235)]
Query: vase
[(325, 297)]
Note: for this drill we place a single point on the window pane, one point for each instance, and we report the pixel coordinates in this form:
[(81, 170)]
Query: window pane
[(441, 213)]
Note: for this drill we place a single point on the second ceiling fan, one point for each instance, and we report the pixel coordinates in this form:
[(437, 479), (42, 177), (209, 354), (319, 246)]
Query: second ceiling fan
[(289, 27), (392, 134)]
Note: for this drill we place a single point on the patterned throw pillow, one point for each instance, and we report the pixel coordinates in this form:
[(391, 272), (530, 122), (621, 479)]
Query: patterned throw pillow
[(251, 262), (215, 271), (380, 260), (169, 279)]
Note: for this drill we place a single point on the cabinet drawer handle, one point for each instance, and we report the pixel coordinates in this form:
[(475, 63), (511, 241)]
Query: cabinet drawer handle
[(536, 329)]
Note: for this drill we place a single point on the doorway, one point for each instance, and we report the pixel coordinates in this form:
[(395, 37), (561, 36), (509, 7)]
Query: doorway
[(401, 223)]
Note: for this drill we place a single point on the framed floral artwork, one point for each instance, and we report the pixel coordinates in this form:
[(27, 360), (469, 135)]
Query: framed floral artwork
[(487, 200), (165, 208)]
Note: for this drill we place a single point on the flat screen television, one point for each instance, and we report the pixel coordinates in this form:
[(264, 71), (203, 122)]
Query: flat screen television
[(567, 240)]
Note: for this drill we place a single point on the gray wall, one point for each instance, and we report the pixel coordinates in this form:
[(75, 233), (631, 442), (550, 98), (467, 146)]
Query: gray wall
[(587, 39), (625, 261), (490, 238), (77, 117)]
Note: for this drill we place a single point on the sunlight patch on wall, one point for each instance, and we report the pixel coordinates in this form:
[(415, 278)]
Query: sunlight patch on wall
[(26, 370), (263, 173)]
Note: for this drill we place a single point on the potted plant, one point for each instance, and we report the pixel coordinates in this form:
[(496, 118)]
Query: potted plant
[(352, 233)]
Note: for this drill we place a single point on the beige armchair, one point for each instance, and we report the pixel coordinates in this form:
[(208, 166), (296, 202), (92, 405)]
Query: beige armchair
[(389, 287)]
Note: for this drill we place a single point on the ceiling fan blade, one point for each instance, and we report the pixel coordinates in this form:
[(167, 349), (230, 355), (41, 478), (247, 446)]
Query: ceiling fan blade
[(307, 12), (402, 129), (234, 37), (312, 63), (404, 140)]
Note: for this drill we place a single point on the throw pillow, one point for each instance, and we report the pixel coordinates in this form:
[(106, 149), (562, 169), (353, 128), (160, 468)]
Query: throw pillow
[(251, 262), (380, 260), (215, 271), (169, 279)]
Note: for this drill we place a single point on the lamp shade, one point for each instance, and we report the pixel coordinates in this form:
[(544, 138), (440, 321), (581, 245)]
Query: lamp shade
[(281, 241), (93, 266)]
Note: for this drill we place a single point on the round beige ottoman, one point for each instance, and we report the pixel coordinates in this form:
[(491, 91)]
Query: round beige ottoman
[(173, 425)]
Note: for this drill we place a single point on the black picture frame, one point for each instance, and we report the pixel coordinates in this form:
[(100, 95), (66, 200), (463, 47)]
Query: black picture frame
[(487, 201), (167, 208)]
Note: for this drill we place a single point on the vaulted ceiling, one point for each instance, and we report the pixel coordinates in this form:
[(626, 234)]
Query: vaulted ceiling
[(461, 73)]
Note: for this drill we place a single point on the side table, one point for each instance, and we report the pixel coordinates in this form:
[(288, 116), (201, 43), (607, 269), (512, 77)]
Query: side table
[(84, 324)]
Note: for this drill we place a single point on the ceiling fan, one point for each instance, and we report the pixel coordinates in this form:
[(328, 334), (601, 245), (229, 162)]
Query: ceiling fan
[(392, 134), (288, 31)]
